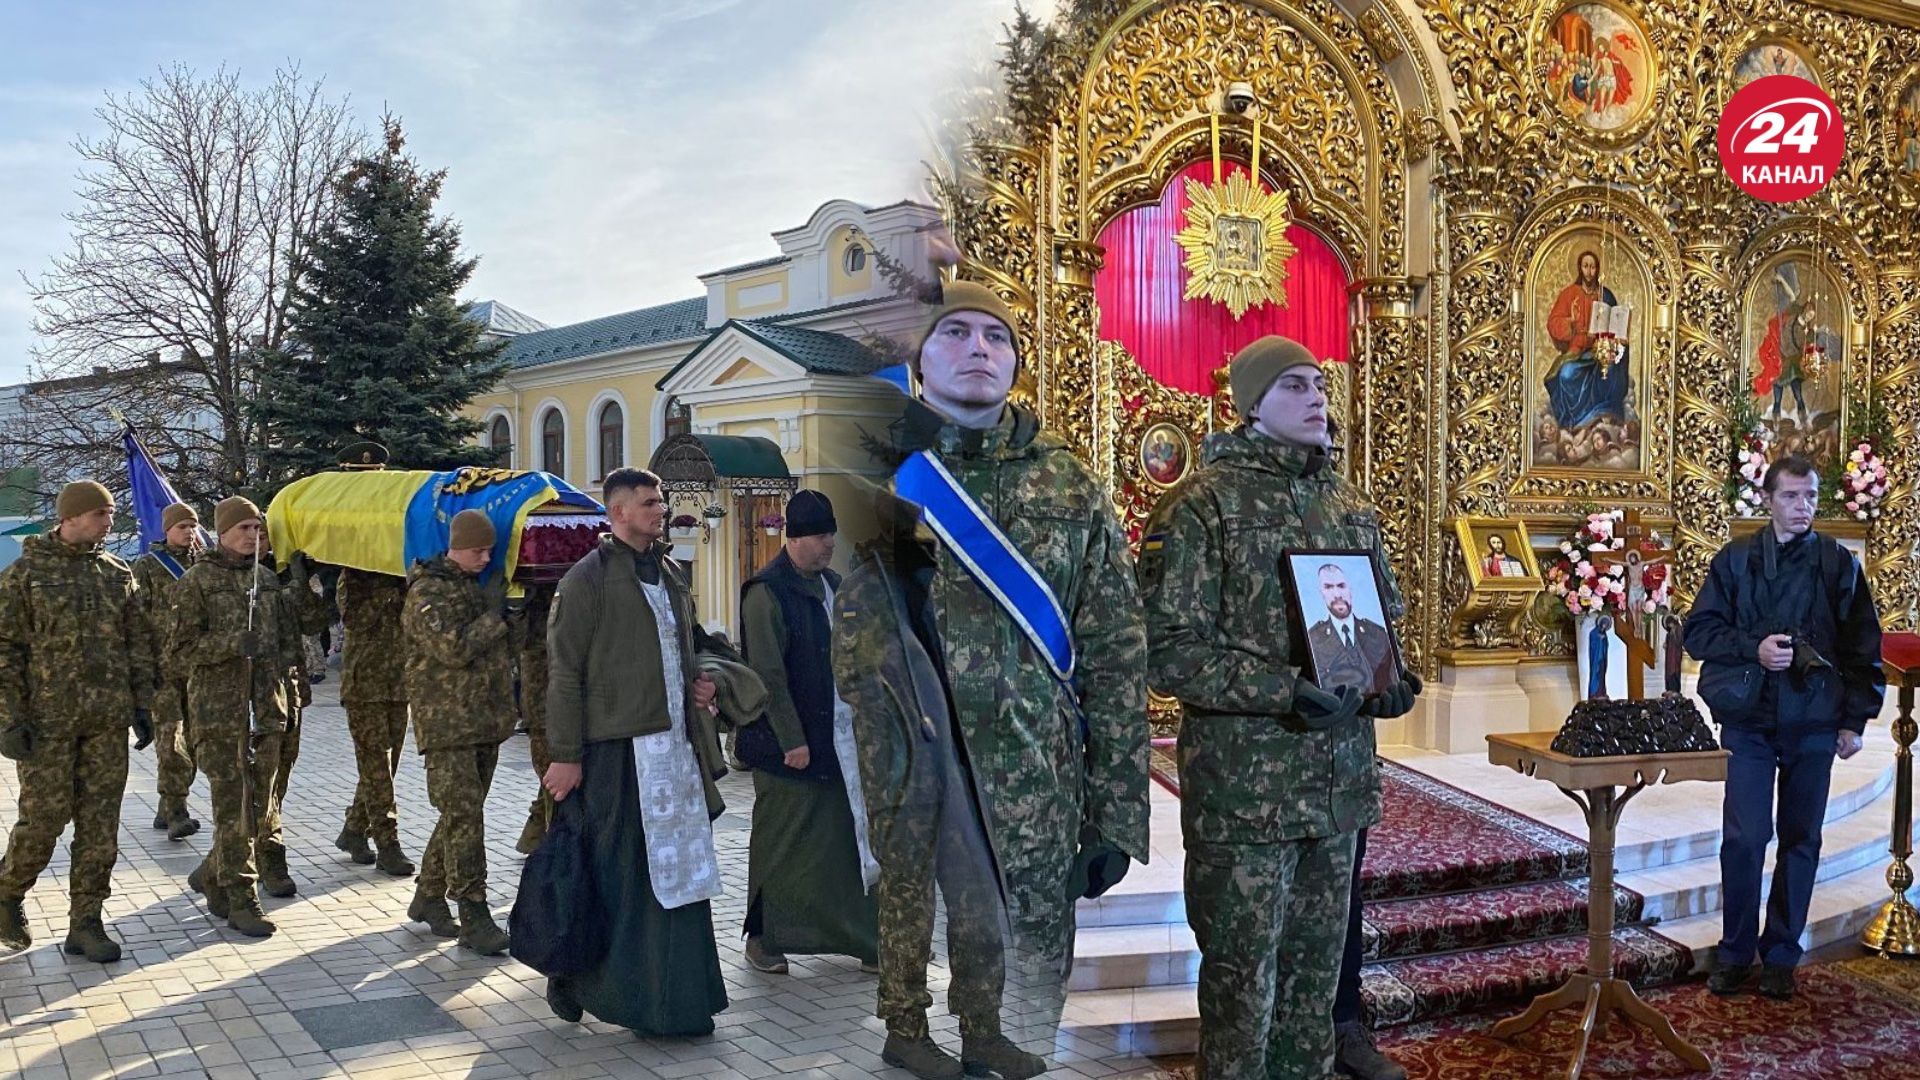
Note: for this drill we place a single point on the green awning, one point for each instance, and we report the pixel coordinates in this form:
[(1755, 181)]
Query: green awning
[(689, 462)]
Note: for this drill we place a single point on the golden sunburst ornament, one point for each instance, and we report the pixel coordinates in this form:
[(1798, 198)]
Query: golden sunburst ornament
[(1236, 244)]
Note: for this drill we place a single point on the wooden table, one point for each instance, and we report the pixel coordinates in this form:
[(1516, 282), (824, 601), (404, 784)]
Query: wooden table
[(1896, 930), (1601, 787)]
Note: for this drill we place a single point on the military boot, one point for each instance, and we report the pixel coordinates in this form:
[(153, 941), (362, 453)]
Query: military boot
[(534, 831), (920, 1056), (355, 845), (392, 860), (433, 911), (13, 924), (274, 879), (162, 816), (180, 825), (1354, 1054), (199, 881), (478, 930), (244, 913), (996, 1055), (86, 937)]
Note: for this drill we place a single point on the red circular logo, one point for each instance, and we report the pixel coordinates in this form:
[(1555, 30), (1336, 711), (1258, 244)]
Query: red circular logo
[(1781, 139)]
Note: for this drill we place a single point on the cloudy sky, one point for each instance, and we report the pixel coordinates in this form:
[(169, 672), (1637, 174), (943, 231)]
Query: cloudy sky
[(600, 155)]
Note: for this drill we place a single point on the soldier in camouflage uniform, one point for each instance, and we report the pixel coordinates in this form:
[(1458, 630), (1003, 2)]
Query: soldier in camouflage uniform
[(75, 673), (302, 609), (373, 688), (1058, 771), (230, 637), (459, 678), (1277, 774), (156, 573), (530, 634)]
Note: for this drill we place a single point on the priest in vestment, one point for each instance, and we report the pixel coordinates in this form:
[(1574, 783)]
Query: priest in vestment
[(629, 729)]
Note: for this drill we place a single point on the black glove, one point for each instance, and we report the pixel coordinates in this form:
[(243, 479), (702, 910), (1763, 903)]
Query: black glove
[(1394, 701), (1319, 709), (1097, 866), (251, 647), (17, 740), (142, 726), (298, 570)]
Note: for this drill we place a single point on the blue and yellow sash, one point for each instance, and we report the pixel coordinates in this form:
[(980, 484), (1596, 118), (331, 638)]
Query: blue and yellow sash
[(974, 538)]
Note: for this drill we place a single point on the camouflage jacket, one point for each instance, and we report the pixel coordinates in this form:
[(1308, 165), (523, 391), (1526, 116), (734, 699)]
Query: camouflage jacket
[(1221, 641), (305, 611), (459, 660), (373, 659), (156, 585), (74, 654), (210, 614), (1048, 759), (528, 618)]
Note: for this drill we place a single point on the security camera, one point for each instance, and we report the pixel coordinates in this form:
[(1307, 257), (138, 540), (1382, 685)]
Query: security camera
[(1239, 97)]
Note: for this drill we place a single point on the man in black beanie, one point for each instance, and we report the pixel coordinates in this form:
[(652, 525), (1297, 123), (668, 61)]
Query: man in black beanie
[(810, 871)]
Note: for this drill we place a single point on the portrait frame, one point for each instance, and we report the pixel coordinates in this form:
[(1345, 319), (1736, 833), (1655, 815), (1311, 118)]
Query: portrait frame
[(1540, 59), (1375, 664), (1902, 126), (1475, 533), (1164, 470), (1761, 294)]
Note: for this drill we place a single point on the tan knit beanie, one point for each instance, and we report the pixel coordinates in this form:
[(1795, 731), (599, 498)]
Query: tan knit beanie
[(470, 529), (81, 497), (233, 510), (176, 514), (1259, 365)]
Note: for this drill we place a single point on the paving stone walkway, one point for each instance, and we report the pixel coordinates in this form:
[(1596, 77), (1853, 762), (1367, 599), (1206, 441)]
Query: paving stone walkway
[(348, 987)]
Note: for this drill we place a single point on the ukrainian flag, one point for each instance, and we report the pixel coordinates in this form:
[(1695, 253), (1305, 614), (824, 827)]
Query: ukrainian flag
[(384, 522)]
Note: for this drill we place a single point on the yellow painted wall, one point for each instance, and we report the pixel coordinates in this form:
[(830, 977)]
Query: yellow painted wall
[(839, 282), (582, 428), (736, 310)]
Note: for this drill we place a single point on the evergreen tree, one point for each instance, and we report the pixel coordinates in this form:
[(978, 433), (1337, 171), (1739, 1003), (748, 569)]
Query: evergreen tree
[(380, 348)]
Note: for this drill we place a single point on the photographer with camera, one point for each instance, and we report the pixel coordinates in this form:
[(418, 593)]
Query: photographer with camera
[(1789, 648)]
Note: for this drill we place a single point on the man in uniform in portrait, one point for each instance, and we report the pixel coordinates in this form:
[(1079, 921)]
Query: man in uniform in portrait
[(1348, 649)]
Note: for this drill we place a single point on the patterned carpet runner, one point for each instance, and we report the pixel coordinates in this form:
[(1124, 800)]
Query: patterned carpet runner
[(1470, 906)]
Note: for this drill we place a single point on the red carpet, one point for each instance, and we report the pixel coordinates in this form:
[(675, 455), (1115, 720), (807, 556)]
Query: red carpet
[(1841, 1024), (1471, 906)]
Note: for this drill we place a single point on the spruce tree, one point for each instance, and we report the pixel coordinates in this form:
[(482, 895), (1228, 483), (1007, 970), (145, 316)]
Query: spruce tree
[(380, 348)]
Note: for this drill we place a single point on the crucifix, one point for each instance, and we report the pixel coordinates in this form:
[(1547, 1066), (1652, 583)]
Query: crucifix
[(1637, 554)]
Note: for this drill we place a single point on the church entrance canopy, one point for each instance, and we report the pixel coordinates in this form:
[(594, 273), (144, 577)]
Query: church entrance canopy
[(744, 465)]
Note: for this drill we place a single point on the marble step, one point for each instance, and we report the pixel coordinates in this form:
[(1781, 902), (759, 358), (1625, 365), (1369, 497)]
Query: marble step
[(1842, 907), (1152, 893)]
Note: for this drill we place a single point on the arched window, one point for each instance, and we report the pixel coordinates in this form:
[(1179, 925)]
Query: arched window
[(613, 437), (553, 443), (500, 438), (678, 420), (856, 258)]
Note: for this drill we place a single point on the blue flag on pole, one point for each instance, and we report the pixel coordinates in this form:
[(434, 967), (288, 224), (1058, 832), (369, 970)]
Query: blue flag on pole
[(152, 493)]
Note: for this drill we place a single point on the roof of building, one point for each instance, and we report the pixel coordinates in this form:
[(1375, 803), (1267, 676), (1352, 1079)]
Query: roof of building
[(757, 264), (680, 320), (497, 318), (819, 351)]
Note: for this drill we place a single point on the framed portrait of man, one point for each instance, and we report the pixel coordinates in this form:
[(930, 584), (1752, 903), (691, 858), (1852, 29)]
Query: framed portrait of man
[(1340, 601), (1499, 554)]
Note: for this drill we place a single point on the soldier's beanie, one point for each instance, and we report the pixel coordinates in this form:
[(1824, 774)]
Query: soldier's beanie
[(470, 529), (967, 296), (1256, 367), (81, 497), (177, 514), (810, 513), (233, 510)]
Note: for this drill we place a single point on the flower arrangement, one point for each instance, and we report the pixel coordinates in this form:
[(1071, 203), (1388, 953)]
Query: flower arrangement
[(773, 521), (1863, 480), (1750, 464), (714, 512), (684, 521), (1585, 586)]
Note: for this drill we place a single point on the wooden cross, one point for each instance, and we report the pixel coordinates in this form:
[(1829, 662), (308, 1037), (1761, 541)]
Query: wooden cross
[(1636, 559)]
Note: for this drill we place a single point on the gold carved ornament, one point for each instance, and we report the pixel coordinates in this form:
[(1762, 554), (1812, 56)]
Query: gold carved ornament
[(1236, 237)]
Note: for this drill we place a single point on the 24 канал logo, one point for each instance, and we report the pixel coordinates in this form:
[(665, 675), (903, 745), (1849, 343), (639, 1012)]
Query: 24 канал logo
[(1781, 139)]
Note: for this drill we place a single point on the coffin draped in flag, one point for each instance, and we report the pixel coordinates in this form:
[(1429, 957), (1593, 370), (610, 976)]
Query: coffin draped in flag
[(385, 521)]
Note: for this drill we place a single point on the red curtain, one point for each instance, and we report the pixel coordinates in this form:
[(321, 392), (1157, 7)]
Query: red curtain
[(1179, 342)]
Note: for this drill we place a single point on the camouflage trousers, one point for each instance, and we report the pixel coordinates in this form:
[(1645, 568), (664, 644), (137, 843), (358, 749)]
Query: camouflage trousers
[(455, 865), (77, 778), (1271, 923), (379, 731), (271, 774), (230, 768), (922, 845), (542, 806), (172, 747)]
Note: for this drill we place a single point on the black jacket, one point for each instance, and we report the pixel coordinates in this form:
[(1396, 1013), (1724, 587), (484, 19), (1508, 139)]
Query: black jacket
[(806, 662), (1746, 598)]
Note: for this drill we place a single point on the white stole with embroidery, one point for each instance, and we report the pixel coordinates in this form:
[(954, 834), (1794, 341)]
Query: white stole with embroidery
[(681, 863)]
